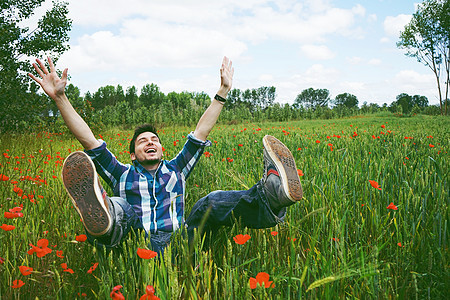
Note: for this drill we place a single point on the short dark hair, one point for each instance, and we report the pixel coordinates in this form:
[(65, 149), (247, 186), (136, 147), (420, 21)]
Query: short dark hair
[(141, 129)]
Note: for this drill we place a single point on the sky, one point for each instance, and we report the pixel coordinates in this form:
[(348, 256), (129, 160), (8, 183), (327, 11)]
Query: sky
[(344, 46)]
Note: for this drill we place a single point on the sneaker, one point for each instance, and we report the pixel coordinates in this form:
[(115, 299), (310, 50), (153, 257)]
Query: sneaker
[(88, 196), (281, 181)]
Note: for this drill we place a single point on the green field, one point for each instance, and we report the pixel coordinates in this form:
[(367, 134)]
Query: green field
[(341, 241)]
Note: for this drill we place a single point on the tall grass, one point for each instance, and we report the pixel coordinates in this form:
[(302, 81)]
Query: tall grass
[(341, 241)]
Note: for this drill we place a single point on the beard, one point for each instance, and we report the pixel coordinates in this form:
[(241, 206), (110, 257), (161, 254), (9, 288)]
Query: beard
[(149, 162)]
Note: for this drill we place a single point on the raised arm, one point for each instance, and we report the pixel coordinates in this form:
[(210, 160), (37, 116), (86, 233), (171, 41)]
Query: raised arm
[(54, 87), (210, 116)]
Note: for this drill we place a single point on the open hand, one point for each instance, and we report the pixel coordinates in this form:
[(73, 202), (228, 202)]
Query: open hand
[(226, 74), (49, 81)]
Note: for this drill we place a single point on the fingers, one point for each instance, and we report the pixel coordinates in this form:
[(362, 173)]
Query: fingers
[(38, 70), (227, 67), (35, 78), (64, 74), (44, 69), (227, 63), (50, 62)]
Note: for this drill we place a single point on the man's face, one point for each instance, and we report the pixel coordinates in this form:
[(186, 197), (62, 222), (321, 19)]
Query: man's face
[(148, 150)]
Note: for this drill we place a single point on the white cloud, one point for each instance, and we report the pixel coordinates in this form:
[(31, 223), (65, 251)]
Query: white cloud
[(317, 52), (394, 25), (143, 44), (372, 18), (374, 62), (359, 10), (320, 76), (137, 35), (355, 60), (411, 81), (250, 20), (266, 77)]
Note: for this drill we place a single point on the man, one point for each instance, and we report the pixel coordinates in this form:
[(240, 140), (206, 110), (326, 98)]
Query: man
[(149, 193)]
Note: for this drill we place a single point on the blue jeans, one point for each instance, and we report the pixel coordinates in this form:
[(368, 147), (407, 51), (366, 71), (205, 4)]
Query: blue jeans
[(251, 207)]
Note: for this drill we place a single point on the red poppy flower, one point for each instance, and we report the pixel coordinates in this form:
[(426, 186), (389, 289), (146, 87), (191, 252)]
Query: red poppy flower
[(146, 254), (431, 145), (3, 177), (17, 284), (274, 233), (18, 191), (392, 206), (149, 294), (25, 270), (68, 271), (116, 294), (92, 269), (300, 172), (11, 215), (81, 238), (262, 279), (2, 260), (16, 209), (41, 249), (59, 253), (375, 184), (241, 239), (399, 244), (318, 142), (6, 227), (382, 126)]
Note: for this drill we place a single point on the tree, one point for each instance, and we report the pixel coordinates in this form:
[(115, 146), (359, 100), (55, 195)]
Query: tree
[(73, 94), (18, 98), (427, 38), (420, 101), (405, 101), (131, 97), (312, 98), (151, 95), (108, 96), (347, 100), (266, 95)]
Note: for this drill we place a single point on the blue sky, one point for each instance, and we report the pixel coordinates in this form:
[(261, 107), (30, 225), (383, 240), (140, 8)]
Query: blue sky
[(343, 46)]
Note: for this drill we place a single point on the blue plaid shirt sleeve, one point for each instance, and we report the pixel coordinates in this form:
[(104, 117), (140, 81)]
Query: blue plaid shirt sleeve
[(107, 165), (188, 157)]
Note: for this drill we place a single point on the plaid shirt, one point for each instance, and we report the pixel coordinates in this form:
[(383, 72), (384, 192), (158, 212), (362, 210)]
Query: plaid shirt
[(158, 201)]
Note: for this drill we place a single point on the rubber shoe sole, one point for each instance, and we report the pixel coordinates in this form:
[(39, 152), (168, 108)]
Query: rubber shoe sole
[(81, 183), (285, 164)]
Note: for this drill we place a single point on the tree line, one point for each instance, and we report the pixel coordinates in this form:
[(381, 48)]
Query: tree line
[(116, 106)]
